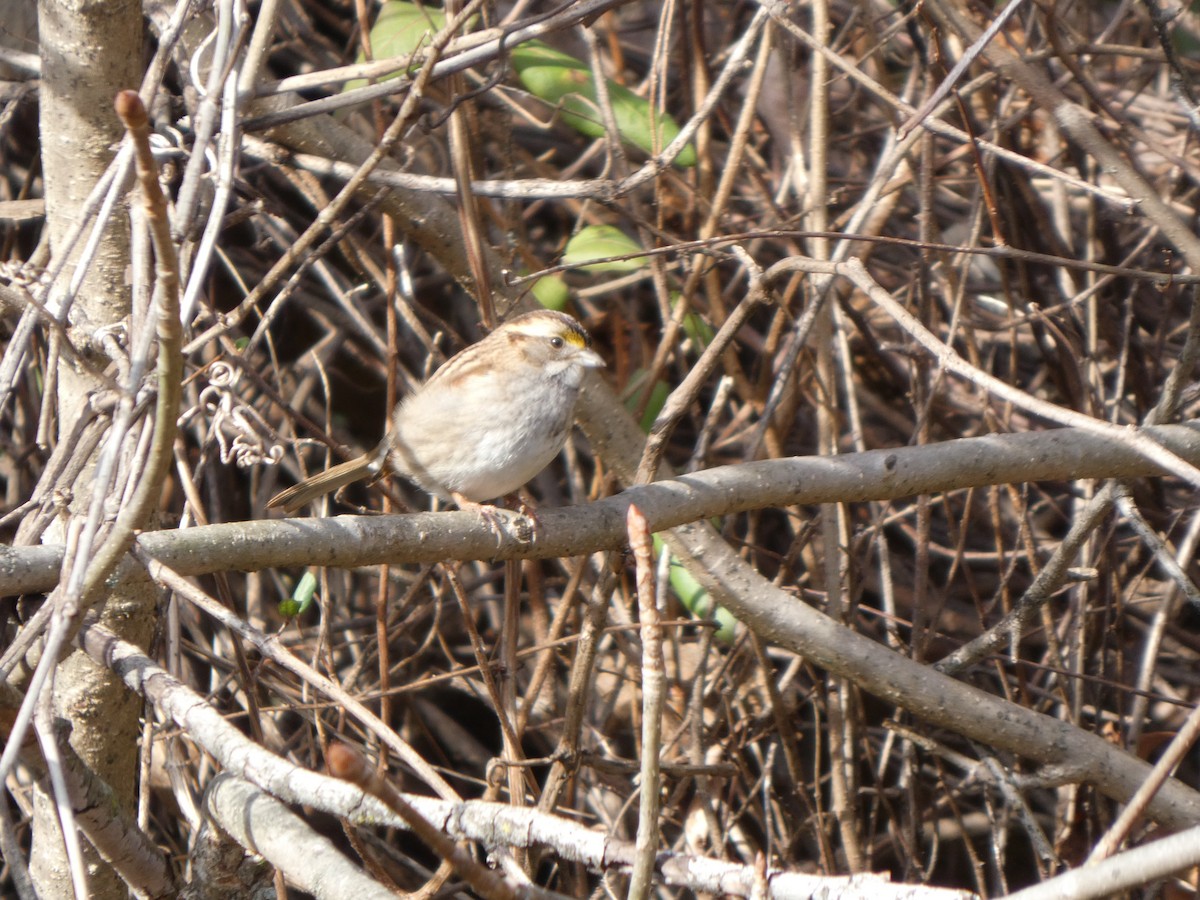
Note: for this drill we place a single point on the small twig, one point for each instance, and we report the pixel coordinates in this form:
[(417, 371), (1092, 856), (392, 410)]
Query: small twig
[(330, 214), (1078, 127), (170, 363), (1048, 582), (512, 743), (579, 688), (571, 13), (47, 739), (490, 823), (1158, 547), (222, 67), (87, 582), (117, 837), (260, 45), (946, 358), (654, 689), (1056, 570), (271, 647), (969, 56), (14, 855), (689, 389), (463, 149), (99, 203), (1128, 871), (1183, 742), (348, 764)]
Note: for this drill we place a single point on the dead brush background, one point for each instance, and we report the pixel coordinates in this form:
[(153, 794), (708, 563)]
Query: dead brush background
[(1027, 255)]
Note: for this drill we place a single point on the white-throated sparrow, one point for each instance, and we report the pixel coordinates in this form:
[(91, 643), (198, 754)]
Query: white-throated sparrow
[(484, 423)]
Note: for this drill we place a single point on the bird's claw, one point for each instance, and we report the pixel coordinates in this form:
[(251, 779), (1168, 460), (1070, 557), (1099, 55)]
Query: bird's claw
[(515, 525)]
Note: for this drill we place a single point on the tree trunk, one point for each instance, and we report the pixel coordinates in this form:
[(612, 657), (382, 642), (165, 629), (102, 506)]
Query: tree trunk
[(90, 49)]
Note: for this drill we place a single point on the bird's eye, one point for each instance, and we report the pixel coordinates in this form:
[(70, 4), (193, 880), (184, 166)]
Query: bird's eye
[(556, 343)]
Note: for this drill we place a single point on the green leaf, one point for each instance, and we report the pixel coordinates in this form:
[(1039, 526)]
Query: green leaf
[(552, 292), (696, 599), (301, 599), (1185, 39), (693, 595), (698, 331), (658, 397), (566, 83), (400, 29), (602, 242)]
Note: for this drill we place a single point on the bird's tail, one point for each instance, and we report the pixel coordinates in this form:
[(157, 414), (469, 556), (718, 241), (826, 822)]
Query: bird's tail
[(322, 483)]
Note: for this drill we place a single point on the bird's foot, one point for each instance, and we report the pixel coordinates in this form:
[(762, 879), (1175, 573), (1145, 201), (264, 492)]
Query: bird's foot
[(519, 526)]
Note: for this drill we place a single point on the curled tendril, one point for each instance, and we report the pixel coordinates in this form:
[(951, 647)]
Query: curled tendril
[(242, 435)]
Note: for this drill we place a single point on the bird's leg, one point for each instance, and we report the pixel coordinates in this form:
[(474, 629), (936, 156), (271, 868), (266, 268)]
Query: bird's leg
[(486, 511), (492, 515), (526, 507)]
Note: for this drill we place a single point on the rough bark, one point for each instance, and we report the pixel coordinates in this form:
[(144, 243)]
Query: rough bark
[(89, 51)]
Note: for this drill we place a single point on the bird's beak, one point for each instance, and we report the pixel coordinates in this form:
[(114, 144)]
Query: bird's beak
[(589, 359)]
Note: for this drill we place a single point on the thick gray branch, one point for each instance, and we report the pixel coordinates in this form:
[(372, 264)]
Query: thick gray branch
[(351, 541), (263, 825)]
